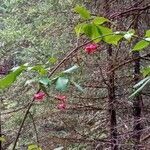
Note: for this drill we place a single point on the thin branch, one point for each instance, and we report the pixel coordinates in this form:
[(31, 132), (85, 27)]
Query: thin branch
[(35, 129), (129, 11)]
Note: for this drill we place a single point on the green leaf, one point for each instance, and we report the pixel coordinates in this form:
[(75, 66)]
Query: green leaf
[(140, 88), (114, 39), (11, 77), (78, 86), (79, 29), (2, 139), (100, 20), (92, 31), (62, 84), (146, 71), (147, 33), (45, 81), (141, 45), (39, 68), (34, 147), (84, 13), (72, 69), (106, 34)]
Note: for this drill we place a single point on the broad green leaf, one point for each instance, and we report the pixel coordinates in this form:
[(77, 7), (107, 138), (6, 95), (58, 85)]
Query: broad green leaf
[(84, 13), (106, 33), (79, 29), (146, 71), (45, 81), (11, 77), (2, 139), (77, 86), (140, 88), (92, 31), (72, 69), (34, 147), (141, 45), (114, 39), (147, 33), (62, 84), (100, 20)]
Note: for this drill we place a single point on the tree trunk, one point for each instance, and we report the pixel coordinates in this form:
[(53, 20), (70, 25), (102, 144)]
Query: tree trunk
[(111, 103), (137, 102)]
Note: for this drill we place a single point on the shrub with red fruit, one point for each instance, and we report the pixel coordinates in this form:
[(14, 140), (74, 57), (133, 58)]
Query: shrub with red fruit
[(39, 96), (91, 48)]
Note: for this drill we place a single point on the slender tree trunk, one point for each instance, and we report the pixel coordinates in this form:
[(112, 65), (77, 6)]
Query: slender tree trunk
[(111, 93), (137, 102), (111, 103)]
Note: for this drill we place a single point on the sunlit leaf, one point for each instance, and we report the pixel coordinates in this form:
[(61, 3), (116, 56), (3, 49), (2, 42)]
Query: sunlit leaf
[(11, 77), (100, 20), (147, 33), (114, 39), (92, 31), (146, 71), (141, 45), (79, 29), (39, 68), (84, 13)]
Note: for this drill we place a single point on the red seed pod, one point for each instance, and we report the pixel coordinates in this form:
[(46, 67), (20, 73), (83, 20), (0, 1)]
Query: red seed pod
[(39, 96), (91, 48)]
